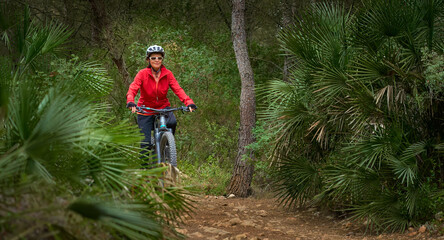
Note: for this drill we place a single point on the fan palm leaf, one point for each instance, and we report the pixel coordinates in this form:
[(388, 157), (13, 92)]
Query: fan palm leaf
[(406, 167), (356, 101), (350, 184), (432, 12), (87, 79), (59, 138), (124, 218), (298, 180), (36, 40)]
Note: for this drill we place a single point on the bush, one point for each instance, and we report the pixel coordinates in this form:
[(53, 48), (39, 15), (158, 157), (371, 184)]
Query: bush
[(358, 126)]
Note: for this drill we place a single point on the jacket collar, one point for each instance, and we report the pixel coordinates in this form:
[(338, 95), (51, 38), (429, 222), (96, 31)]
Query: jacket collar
[(163, 71)]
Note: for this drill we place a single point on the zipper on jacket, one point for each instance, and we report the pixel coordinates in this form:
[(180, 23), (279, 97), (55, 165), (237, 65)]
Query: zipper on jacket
[(157, 92), (157, 86)]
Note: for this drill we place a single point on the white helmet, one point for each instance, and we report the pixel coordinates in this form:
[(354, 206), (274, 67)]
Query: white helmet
[(155, 49)]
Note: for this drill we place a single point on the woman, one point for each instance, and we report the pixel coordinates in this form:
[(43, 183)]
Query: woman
[(153, 83)]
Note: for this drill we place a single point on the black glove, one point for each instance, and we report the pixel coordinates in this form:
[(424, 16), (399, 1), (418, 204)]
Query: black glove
[(192, 106), (130, 104)]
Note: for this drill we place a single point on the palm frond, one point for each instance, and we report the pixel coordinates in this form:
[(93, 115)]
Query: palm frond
[(414, 150), (440, 147), (56, 130), (297, 179), (320, 32), (432, 13), (406, 167), (157, 191), (361, 89), (384, 18), (23, 104), (406, 170), (39, 41), (85, 79), (11, 164), (56, 35), (126, 218), (369, 69), (349, 184), (285, 113), (332, 84), (385, 211), (106, 167), (371, 152), (60, 124)]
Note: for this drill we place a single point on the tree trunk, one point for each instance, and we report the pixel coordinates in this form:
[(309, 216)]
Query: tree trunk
[(102, 33), (243, 168)]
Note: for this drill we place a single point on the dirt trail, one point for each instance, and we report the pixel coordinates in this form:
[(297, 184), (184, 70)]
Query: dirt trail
[(262, 219)]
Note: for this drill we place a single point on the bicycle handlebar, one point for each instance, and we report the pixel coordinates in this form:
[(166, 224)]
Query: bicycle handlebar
[(165, 110)]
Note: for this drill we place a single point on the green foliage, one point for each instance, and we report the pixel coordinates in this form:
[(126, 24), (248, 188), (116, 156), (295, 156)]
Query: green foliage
[(358, 124), (207, 177), (65, 160), (303, 177), (199, 69), (263, 151), (206, 139), (434, 74), (209, 164), (199, 53)]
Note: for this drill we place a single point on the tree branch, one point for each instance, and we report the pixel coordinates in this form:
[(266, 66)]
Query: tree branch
[(223, 15)]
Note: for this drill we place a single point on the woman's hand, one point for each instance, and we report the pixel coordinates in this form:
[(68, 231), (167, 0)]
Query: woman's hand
[(192, 107), (131, 106)]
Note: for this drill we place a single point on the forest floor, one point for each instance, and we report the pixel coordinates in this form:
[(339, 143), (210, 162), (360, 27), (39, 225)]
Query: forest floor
[(217, 217)]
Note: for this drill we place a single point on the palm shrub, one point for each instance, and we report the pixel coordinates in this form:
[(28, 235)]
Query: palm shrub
[(359, 126), (67, 165)]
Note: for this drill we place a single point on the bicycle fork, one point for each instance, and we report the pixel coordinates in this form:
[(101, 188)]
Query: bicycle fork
[(157, 136)]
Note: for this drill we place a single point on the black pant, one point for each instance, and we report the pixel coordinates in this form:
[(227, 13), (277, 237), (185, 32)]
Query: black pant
[(146, 125)]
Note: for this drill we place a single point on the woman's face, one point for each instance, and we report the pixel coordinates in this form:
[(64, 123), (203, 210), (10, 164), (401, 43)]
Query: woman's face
[(155, 60)]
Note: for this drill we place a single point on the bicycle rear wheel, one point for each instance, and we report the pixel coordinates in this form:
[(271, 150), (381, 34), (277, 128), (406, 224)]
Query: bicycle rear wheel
[(168, 149)]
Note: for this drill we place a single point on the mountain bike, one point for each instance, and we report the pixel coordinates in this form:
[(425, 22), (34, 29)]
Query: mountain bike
[(163, 138)]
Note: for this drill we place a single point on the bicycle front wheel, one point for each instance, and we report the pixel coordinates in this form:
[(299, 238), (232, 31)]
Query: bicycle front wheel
[(168, 149)]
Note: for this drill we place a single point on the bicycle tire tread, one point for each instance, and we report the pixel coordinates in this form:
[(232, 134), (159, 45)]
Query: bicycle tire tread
[(168, 137)]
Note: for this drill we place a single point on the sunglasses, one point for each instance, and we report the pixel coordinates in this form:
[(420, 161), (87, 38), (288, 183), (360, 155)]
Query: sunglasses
[(158, 58)]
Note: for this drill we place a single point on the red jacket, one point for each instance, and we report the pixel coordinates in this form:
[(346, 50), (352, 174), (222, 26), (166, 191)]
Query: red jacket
[(155, 96)]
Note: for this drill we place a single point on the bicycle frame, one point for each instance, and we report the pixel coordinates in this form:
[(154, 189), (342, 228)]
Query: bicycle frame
[(160, 126)]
